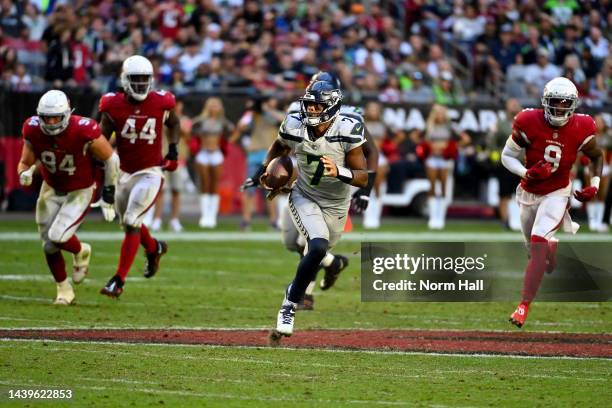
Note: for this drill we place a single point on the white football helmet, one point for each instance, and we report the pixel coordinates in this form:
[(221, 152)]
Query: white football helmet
[(559, 100), (53, 104), (137, 77)]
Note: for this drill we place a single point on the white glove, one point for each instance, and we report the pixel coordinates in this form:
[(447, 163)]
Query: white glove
[(25, 177), (108, 210)]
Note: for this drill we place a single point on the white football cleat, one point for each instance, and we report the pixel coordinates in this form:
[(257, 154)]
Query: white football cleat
[(285, 319), (65, 293), (80, 263)]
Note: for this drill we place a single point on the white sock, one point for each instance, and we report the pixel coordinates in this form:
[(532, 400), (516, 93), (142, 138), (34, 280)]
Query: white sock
[(591, 209), (431, 205), (371, 216), (214, 208), (601, 208), (310, 288), (441, 211), (327, 259), (204, 200)]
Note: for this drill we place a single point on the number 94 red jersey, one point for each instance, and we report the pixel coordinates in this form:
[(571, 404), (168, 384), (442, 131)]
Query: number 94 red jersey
[(67, 163), (558, 146), (138, 127)]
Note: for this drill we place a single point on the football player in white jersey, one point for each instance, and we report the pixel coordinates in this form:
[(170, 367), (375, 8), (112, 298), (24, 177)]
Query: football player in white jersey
[(327, 145)]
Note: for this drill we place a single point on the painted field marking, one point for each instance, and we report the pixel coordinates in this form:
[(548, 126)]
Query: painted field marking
[(407, 236), (303, 349)]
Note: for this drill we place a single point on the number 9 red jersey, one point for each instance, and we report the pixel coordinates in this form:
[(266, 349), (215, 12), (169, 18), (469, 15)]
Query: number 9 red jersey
[(138, 127), (558, 146), (67, 163)]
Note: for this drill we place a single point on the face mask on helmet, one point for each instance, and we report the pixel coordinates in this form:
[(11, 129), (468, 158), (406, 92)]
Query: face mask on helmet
[(559, 100), (54, 112), (320, 104), (138, 86)]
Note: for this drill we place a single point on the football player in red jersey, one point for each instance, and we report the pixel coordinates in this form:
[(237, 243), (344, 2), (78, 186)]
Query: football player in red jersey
[(137, 116), (65, 144), (551, 138)]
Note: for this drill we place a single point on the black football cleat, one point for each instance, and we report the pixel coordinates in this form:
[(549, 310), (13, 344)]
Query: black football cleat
[(152, 262), (307, 303), (339, 263), (114, 287)]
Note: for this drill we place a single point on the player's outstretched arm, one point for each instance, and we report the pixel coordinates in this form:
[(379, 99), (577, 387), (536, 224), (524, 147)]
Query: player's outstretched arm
[(354, 174), (593, 152), (26, 165)]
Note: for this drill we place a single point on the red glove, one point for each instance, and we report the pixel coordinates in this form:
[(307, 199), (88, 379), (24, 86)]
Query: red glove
[(170, 162), (540, 170), (586, 194), (169, 165)]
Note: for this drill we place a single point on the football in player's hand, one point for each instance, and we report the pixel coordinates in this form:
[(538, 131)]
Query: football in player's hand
[(278, 173)]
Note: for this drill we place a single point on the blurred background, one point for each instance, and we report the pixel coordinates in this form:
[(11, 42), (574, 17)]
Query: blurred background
[(409, 64)]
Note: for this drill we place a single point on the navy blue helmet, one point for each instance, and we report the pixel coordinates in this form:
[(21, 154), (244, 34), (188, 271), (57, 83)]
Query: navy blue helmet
[(326, 77), (321, 93)]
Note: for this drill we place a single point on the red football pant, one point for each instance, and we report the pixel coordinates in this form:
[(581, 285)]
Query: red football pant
[(535, 268), (57, 265)]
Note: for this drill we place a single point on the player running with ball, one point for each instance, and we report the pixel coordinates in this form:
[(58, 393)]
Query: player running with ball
[(551, 138), (327, 145)]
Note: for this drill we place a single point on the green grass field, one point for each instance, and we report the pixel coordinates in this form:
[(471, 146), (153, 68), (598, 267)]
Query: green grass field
[(229, 284)]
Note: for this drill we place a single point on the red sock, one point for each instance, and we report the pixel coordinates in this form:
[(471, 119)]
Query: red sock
[(129, 248), (535, 268), (73, 245), (57, 265), (147, 241)]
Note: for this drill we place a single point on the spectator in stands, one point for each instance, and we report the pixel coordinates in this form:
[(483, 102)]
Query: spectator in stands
[(506, 49), (446, 90), (599, 46), (211, 127), (59, 60), (391, 92), (537, 75), (417, 91), (20, 80), (569, 45), (10, 18), (572, 71), (34, 21)]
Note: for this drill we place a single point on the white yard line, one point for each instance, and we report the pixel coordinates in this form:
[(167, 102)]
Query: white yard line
[(407, 236)]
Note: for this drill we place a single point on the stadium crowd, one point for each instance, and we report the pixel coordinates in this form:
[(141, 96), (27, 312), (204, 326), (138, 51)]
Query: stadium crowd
[(411, 51)]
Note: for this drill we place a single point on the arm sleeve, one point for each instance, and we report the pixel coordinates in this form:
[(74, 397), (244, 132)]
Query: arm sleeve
[(111, 169), (510, 158)]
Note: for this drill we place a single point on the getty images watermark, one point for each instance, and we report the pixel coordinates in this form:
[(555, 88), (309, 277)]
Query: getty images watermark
[(476, 272)]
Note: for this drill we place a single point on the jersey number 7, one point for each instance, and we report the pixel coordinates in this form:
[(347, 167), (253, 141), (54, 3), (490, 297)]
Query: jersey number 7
[(311, 158)]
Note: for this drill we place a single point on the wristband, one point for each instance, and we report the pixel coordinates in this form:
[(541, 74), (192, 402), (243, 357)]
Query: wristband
[(345, 175), (371, 179), (595, 182), (172, 152)]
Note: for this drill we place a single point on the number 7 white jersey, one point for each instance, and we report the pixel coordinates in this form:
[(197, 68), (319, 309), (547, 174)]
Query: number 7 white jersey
[(344, 134)]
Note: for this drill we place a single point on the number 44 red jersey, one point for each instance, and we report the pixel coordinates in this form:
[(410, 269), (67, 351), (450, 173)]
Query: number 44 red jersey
[(558, 146), (138, 127), (67, 163)]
